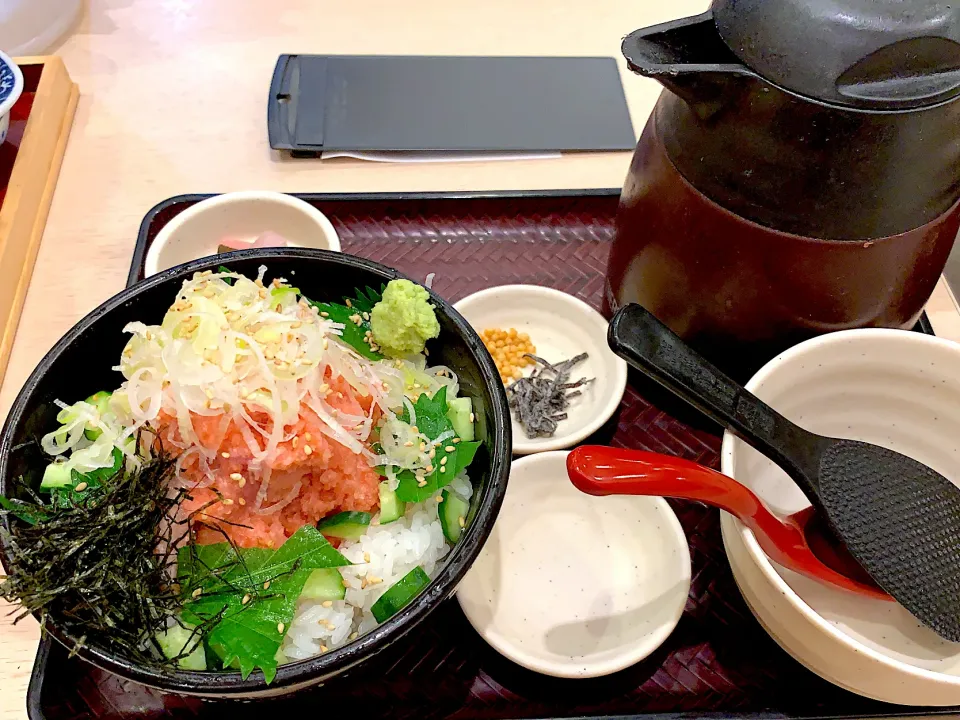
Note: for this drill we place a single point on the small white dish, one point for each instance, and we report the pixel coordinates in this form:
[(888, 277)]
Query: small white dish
[(11, 87), (560, 326), (897, 389), (198, 231), (573, 585)]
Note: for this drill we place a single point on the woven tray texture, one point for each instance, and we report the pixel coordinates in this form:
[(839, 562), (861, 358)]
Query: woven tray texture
[(718, 660)]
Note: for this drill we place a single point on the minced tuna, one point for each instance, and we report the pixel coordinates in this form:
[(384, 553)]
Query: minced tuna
[(311, 477)]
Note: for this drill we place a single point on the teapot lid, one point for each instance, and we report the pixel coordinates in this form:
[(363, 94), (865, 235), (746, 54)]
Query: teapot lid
[(868, 54)]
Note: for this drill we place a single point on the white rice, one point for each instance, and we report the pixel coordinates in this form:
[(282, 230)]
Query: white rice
[(393, 551)]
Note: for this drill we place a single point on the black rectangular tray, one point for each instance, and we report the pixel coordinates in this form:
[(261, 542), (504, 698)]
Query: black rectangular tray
[(718, 662)]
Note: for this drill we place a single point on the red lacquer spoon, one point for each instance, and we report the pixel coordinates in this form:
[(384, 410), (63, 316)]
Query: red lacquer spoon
[(798, 541)]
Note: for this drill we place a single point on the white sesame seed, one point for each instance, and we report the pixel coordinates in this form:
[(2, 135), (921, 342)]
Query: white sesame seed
[(81, 487), (236, 476), (307, 450), (327, 603), (443, 461), (455, 441), (366, 557), (228, 501), (245, 600), (462, 521), (308, 437), (439, 498), (242, 501), (266, 585), (197, 593), (353, 636), (225, 455), (280, 628), (414, 428), (433, 453), (472, 417), (449, 448), (295, 441), (408, 443), (323, 648)]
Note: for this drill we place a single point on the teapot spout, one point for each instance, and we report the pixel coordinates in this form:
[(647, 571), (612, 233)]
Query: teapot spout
[(686, 56)]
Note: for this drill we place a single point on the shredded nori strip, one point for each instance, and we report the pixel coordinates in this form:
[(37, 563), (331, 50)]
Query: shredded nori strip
[(540, 401), (104, 565)]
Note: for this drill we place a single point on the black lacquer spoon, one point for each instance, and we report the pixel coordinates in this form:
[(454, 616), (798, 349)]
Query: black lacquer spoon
[(897, 517)]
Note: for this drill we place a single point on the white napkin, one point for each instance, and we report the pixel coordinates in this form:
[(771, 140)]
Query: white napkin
[(420, 156)]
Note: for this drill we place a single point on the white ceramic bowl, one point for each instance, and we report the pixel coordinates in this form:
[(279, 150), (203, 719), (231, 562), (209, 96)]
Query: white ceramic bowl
[(573, 585), (198, 230), (894, 388), (11, 87), (560, 326)]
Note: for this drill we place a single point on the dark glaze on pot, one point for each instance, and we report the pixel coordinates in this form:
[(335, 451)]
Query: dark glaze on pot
[(761, 210)]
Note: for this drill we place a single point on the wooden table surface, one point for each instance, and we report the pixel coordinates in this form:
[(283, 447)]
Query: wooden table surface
[(173, 100)]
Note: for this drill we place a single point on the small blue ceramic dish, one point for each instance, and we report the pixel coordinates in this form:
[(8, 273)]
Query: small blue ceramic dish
[(11, 85)]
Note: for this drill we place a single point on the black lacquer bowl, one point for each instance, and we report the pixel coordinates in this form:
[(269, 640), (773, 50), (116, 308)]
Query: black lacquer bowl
[(80, 364)]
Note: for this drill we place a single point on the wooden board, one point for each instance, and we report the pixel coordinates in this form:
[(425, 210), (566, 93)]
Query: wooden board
[(29, 190)]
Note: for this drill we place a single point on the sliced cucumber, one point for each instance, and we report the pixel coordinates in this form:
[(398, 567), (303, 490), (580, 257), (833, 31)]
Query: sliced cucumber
[(101, 401), (59, 476), (56, 475), (405, 590), (453, 515), (176, 639), (392, 508), (459, 411), (325, 584), (347, 525)]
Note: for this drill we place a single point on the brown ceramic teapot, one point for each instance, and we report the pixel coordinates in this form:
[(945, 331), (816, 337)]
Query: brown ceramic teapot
[(800, 173)]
